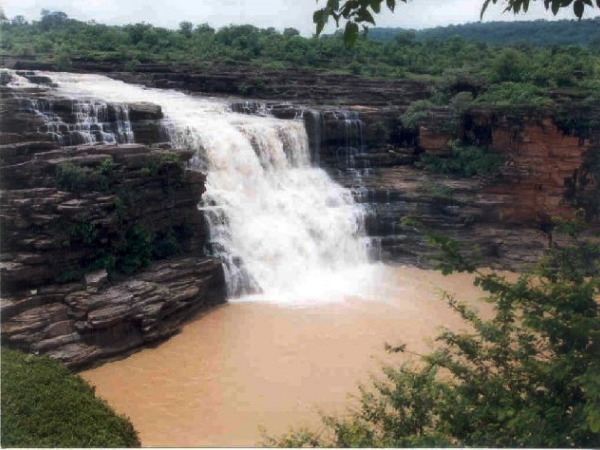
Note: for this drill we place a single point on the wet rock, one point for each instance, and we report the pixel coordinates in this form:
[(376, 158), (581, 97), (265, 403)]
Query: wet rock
[(96, 280), (5, 77), (144, 111)]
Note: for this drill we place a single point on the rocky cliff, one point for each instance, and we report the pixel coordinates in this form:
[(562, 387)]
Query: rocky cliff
[(550, 170), (356, 132), (301, 85), (101, 244)]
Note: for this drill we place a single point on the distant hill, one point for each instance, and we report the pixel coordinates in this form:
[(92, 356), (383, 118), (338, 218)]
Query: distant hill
[(539, 32)]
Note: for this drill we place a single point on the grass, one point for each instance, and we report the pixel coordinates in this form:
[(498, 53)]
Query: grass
[(45, 405)]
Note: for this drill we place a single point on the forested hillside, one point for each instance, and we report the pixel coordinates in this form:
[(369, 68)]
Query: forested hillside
[(538, 33), (519, 73)]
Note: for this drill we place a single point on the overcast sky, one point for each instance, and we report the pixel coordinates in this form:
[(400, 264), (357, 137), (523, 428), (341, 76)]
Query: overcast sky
[(265, 13)]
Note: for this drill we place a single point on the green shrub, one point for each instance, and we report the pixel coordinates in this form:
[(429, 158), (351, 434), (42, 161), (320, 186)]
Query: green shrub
[(70, 177), (417, 111), (136, 251), (165, 245), (465, 161), (355, 68), (509, 65), (132, 65), (82, 231), (440, 193), (169, 167), (510, 94), (102, 260), (106, 167), (45, 405)]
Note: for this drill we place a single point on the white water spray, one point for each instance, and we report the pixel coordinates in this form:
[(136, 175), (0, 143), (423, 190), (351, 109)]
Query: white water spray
[(284, 230)]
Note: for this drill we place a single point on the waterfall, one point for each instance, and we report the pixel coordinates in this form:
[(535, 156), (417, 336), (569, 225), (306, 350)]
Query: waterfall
[(283, 229), (353, 137), (82, 121)]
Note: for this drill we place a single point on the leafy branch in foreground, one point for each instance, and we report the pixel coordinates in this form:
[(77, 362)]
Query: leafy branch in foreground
[(529, 376), (361, 12)]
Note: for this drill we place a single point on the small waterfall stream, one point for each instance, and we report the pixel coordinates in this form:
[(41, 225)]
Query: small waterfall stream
[(284, 230)]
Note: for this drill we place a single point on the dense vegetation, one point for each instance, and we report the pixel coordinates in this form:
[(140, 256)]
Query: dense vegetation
[(61, 40), (45, 405), (538, 33), (527, 377), (464, 161)]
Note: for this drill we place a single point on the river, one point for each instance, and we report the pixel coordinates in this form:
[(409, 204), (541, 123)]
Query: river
[(254, 364)]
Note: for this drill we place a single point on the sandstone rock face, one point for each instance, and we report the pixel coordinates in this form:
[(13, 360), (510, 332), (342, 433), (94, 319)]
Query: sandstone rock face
[(102, 244), (545, 172)]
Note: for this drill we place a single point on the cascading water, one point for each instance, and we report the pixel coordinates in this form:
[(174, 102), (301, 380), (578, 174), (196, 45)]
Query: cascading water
[(284, 230), (89, 121)]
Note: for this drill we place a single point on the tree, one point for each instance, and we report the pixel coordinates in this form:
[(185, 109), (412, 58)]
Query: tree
[(204, 28), (186, 28), (509, 65), (52, 19), (528, 377), (289, 32), (361, 12)]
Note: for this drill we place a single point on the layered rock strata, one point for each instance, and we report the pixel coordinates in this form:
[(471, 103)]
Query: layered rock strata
[(102, 244), (550, 171)]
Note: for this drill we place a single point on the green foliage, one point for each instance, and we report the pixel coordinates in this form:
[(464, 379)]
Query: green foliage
[(512, 94), (136, 251), (169, 167), (72, 178), (45, 405), (440, 193), (165, 245), (464, 161), (132, 65), (81, 231), (509, 65), (106, 167), (186, 28), (130, 246), (527, 377), (69, 275), (62, 60), (414, 55), (415, 113), (102, 260), (362, 12)]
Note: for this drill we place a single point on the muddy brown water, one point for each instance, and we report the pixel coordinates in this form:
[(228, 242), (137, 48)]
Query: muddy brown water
[(246, 366)]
